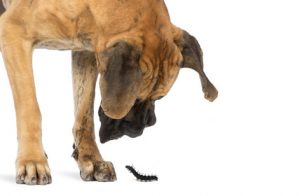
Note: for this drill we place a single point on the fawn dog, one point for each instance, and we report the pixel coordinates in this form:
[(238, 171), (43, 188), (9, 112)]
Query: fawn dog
[(131, 44)]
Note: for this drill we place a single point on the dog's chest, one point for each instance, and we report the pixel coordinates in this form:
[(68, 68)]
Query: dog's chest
[(79, 43)]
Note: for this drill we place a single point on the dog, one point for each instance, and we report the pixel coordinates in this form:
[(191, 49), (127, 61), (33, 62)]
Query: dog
[(131, 44)]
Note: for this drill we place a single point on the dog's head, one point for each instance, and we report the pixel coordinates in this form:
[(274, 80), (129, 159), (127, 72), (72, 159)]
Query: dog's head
[(132, 79), (141, 67)]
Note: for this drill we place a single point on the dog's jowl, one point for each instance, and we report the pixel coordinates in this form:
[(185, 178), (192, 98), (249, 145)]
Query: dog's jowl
[(137, 52)]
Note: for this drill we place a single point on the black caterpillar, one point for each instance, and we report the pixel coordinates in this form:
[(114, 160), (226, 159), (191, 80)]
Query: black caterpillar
[(141, 177)]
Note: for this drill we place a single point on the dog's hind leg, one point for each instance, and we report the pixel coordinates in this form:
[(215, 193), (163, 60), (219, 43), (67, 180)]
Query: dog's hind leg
[(31, 164), (92, 166)]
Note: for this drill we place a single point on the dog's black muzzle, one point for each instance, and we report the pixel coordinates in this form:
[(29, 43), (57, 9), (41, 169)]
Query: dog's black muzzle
[(140, 116)]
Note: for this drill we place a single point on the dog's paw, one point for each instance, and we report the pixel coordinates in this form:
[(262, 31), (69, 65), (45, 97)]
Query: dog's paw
[(101, 171), (33, 172)]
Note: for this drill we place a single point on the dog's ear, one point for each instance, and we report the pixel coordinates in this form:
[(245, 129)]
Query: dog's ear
[(120, 79), (193, 58)]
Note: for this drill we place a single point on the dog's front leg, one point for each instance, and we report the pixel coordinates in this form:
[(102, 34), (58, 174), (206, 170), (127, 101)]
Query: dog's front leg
[(31, 164), (91, 165)]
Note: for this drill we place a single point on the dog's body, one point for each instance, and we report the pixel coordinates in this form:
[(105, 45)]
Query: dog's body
[(131, 43)]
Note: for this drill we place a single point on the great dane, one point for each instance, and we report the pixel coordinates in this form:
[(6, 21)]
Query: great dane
[(131, 44)]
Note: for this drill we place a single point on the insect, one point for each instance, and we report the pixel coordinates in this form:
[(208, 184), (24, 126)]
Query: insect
[(140, 177)]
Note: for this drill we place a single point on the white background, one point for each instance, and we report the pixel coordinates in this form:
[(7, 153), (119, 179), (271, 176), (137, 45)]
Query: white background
[(245, 143)]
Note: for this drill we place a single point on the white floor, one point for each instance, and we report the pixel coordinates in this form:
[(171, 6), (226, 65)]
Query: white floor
[(244, 144)]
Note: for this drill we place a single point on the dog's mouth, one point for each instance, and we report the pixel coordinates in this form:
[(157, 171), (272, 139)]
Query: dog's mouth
[(118, 131), (133, 124)]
